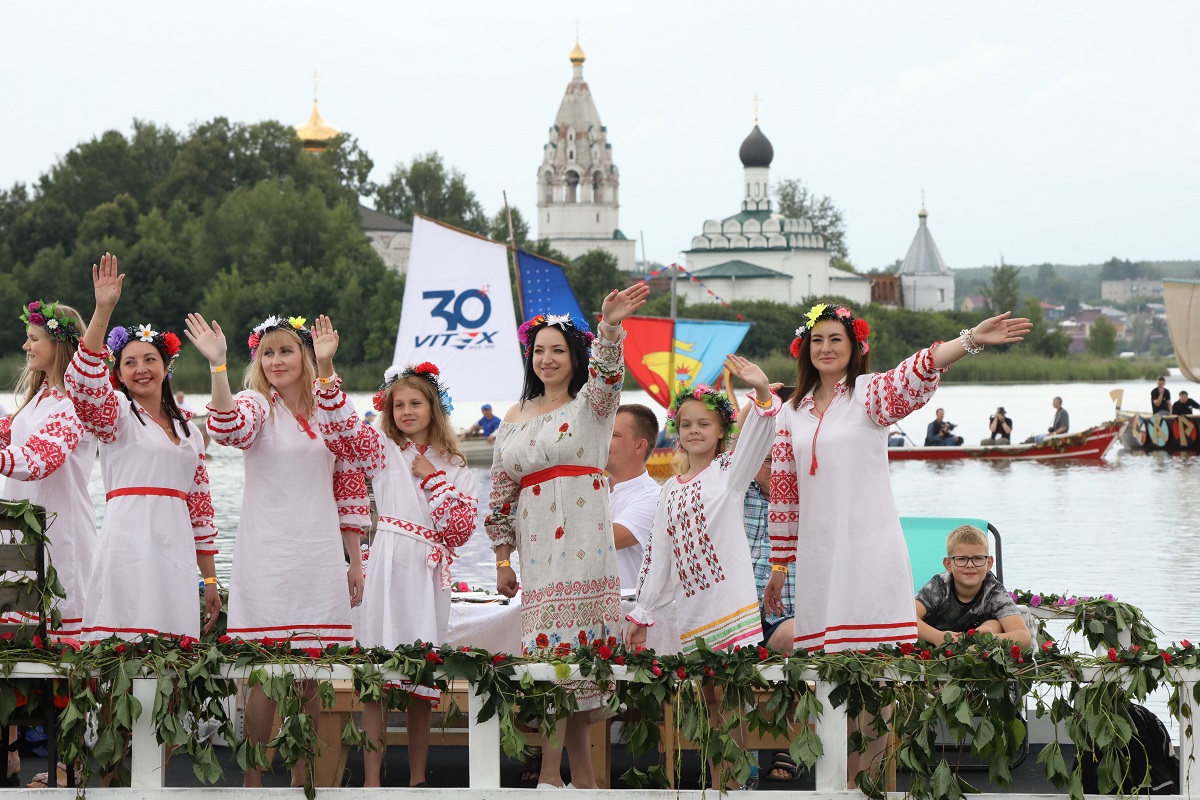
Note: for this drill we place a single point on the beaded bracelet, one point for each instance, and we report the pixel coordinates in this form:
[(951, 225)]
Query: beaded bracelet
[(968, 341)]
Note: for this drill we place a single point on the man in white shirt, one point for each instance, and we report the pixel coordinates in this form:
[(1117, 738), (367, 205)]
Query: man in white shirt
[(634, 494)]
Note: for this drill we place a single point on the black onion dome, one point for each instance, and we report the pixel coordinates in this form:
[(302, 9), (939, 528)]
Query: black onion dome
[(756, 150)]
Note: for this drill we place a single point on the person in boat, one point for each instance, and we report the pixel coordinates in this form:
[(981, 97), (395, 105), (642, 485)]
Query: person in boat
[(1184, 405), (699, 556), (487, 424), (830, 453), (368, 417), (1160, 397), (46, 457), (633, 494), (940, 433), (968, 596), (427, 509), (1061, 423), (304, 510), (548, 498), (1000, 428)]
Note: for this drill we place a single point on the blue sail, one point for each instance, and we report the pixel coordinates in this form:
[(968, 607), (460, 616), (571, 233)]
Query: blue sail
[(544, 288)]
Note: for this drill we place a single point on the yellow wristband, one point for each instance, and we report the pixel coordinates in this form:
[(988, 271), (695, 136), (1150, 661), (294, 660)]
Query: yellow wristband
[(779, 568), (770, 402), (326, 381), (215, 370), (210, 581), (504, 563)]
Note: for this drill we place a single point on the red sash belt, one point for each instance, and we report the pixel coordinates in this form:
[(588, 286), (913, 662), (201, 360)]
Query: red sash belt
[(146, 490), (563, 470)]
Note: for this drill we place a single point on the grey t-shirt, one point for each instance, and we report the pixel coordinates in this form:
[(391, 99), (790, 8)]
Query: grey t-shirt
[(944, 611)]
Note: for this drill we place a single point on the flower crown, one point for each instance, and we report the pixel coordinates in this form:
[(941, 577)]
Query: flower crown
[(570, 327), (858, 327), (166, 343), (46, 315), (273, 323), (426, 370), (713, 399)]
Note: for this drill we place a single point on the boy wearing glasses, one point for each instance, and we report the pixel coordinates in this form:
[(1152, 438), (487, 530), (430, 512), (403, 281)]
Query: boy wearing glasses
[(967, 595)]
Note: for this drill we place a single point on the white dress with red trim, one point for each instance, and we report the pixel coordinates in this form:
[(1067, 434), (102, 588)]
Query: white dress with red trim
[(47, 458), (421, 525), (699, 557), (159, 515), (833, 517), (549, 498), (289, 565)]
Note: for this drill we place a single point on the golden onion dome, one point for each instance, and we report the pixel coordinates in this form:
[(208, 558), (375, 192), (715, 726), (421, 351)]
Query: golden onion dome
[(577, 55), (315, 131)]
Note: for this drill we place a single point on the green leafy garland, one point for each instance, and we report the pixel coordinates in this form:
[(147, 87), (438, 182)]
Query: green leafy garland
[(966, 689)]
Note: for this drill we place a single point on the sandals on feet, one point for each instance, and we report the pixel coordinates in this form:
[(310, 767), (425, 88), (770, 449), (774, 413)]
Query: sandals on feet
[(783, 763), (532, 771), (42, 779)]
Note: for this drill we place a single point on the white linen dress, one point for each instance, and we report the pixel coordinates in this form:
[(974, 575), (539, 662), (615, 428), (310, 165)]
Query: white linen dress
[(421, 524), (832, 513), (699, 557), (159, 517), (47, 457), (289, 564)]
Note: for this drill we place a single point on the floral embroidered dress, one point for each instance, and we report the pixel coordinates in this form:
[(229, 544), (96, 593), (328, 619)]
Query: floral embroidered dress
[(421, 524), (158, 519), (699, 557), (47, 458), (833, 517), (549, 498), (289, 566)]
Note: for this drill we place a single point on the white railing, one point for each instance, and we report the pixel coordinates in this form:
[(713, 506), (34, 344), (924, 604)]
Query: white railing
[(147, 767)]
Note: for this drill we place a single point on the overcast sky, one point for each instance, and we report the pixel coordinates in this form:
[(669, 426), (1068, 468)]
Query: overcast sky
[(1064, 132)]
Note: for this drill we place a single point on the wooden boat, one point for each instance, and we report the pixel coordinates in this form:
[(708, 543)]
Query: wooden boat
[(478, 451), (1168, 433), (1092, 444)]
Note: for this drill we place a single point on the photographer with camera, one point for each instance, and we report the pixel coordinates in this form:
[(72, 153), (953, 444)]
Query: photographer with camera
[(940, 433), (1001, 426)]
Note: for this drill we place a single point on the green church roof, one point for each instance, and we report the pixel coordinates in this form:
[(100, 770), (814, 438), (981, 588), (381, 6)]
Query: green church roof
[(739, 269)]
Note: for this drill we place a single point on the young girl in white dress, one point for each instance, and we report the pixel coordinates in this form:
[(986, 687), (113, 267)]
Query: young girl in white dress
[(699, 557), (304, 510), (427, 509)]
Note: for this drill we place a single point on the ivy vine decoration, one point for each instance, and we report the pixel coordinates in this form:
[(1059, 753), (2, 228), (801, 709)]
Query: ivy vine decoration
[(32, 522)]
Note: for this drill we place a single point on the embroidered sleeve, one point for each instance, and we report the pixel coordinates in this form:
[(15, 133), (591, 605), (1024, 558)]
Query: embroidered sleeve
[(96, 402), (783, 507), (500, 523), (893, 395), (357, 445), (241, 426), (353, 502), (5, 431), (45, 451), (606, 373), (453, 506), (200, 506), (753, 444), (655, 583)]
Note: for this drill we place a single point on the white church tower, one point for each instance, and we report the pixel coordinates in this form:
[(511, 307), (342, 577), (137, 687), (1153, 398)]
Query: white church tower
[(578, 182), (926, 283)]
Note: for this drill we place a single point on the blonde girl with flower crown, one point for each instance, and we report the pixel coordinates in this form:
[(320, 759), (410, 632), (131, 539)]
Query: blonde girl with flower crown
[(427, 509), (46, 457), (698, 557), (304, 510)]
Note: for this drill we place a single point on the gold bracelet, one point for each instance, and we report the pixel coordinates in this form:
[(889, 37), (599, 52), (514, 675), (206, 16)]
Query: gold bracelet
[(210, 581), (779, 568), (504, 563), (215, 370)]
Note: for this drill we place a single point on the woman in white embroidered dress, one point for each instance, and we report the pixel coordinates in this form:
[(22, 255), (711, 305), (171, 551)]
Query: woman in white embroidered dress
[(158, 525), (427, 509), (47, 456), (698, 557), (853, 580), (290, 580), (549, 500)]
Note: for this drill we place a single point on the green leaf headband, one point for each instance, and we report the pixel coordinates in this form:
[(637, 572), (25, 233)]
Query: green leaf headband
[(714, 400), (46, 315)]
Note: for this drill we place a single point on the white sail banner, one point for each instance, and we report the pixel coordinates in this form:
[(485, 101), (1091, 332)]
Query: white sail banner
[(1182, 301), (458, 313)]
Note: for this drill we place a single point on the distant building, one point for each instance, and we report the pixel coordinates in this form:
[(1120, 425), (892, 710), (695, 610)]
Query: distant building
[(390, 237), (926, 283), (1127, 290), (578, 183), (886, 289), (1079, 325), (972, 302), (758, 254)]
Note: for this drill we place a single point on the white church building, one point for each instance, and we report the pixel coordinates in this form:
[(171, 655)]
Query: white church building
[(926, 283), (758, 254), (578, 183)]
